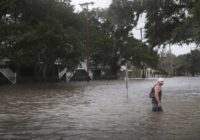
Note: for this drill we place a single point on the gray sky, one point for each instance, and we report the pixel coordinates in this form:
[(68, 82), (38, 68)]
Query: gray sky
[(97, 3), (177, 50)]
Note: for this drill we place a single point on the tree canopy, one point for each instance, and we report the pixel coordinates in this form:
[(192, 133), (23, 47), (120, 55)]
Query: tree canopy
[(41, 33), (38, 33), (171, 21)]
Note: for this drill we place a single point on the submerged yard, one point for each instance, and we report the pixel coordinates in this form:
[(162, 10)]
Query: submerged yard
[(100, 110)]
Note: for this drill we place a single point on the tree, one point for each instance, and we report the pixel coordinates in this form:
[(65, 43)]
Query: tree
[(188, 63), (195, 21), (102, 49), (194, 58), (171, 21), (37, 33), (167, 63), (112, 44), (124, 15)]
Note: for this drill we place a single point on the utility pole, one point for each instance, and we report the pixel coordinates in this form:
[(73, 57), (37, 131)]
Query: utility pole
[(141, 29), (143, 65), (126, 78), (85, 6), (171, 63)]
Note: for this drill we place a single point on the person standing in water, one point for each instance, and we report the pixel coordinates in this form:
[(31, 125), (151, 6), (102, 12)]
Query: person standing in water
[(157, 95)]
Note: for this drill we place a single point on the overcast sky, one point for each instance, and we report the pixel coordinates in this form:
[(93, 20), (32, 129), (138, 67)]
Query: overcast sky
[(97, 3), (177, 50)]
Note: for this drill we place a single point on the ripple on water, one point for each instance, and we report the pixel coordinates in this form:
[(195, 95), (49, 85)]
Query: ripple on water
[(100, 110)]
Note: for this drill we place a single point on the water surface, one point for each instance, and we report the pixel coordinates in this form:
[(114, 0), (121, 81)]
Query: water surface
[(100, 110)]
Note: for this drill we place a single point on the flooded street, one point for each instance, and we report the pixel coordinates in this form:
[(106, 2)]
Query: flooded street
[(100, 110)]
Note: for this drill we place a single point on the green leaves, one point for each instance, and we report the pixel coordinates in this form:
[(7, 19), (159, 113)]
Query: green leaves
[(38, 32), (171, 21), (111, 44), (188, 63)]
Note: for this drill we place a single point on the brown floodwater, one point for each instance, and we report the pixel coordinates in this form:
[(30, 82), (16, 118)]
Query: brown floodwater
[(100, 110)]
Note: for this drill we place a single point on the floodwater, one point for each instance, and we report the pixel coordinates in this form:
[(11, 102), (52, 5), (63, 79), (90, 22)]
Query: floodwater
[(100, 110)]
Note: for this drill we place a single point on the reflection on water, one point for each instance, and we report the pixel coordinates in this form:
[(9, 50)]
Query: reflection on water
[(100, 110)]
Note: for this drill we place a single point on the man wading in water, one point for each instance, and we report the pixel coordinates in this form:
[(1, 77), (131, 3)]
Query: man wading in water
[(156, 95)]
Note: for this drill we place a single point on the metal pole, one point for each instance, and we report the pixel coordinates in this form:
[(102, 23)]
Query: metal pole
[(85, 6), (171, 66), (126, 75), (143, 70), (140, 33), (87, 41)]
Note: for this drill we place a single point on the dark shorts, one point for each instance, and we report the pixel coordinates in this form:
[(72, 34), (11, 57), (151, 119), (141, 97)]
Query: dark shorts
[(155, 108)]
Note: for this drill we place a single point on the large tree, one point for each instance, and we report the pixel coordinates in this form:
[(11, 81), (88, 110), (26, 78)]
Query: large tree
[(103, 51), (111, 40), (124, 14), (188, 63), (36, 33), (171, 21)]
